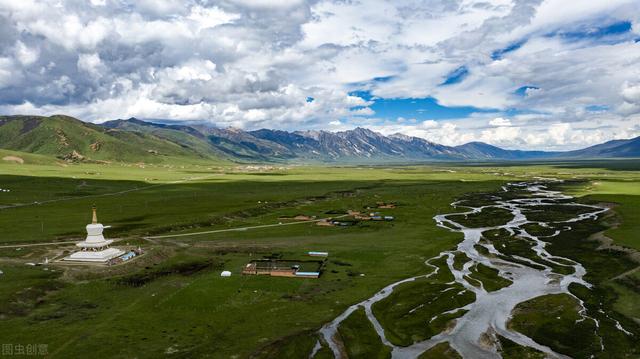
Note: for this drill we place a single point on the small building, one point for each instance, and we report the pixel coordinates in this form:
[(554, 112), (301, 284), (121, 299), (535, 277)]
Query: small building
[(225, 273), (325, 223), (386, 205), (318, 254), (285, 268), (308, 274)]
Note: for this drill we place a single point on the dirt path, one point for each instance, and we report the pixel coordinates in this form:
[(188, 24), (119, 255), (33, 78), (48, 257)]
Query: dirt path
[(625, 273), (607, 243), (240, 228)]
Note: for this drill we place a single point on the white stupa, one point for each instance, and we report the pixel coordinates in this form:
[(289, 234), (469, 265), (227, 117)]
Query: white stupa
[(95, 248)]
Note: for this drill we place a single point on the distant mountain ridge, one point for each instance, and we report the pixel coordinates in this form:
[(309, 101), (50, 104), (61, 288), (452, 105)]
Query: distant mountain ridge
[(629, 148), (134, 140)]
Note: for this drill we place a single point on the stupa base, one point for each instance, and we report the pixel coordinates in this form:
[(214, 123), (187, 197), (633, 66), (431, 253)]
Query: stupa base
[(102, 256)]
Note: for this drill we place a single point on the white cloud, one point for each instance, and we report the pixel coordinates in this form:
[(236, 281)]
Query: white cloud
[(161, 7), (365, 111), (558, 132), (631, 93), (631, 99), (501, 136), (25, 54), (210, 17), (6, 72), (70, 31), (269, 4), (499, 122), (90, 63), (428, 124)]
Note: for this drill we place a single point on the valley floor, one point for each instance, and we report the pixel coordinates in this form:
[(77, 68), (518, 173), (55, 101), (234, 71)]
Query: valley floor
[(172, 300)]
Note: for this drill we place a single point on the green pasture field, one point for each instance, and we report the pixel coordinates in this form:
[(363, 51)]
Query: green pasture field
[(360, 337), (625, 196), (172, 301)]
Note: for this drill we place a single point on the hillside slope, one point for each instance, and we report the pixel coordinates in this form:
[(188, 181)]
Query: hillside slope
[(612, 149), (68, 138), (188, 138)]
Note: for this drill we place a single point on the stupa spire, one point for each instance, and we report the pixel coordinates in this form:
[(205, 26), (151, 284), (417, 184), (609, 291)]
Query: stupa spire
[(95, 216)]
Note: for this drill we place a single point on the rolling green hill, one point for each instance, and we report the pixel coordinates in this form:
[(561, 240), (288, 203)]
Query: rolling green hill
[(71, 139), (186, 137)]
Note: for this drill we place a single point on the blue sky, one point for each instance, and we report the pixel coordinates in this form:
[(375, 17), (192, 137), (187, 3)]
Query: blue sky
[(416, 108), (541, 74)]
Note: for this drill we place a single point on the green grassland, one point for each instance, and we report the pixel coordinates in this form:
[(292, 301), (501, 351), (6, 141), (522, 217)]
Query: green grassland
[(625, 195), (360, 338), (620, 290), (172, 301), (511, 350), (489, 277), (200, 313), (554, 320)]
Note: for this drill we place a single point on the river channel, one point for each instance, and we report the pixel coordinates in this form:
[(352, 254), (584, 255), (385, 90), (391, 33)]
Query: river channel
[(489, 314)]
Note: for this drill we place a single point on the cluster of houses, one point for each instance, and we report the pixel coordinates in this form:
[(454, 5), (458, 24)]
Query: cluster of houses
[(358, 216), (372, 216)]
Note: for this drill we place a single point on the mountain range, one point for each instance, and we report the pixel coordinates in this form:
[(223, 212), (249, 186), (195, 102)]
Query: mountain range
[(134, 140)]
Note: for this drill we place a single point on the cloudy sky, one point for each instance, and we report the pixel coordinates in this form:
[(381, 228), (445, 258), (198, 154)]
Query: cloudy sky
[(532, 74)]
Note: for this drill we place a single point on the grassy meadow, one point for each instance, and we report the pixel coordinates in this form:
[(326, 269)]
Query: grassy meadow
[(172, 301)]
